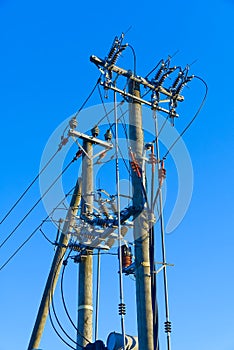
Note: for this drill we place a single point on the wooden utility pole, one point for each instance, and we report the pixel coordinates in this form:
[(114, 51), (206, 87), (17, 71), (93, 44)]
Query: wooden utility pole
[(85, 291), (55, 270), (141, 229)]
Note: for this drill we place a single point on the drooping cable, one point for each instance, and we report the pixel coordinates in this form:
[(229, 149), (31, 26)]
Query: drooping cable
[(33, 232), (49, 161), (192, 120), (40, 199), (65, 306), (51, 302), (87, 99), (134, 58)]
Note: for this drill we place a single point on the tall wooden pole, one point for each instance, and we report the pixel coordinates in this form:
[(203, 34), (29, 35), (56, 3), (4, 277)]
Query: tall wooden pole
[(141, 230), (55, 270), (85, 291)]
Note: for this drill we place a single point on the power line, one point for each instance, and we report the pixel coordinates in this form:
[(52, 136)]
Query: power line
[(30, 185), (39, 200), (87, 99), (49, 161), (192, 120), (33, 232)]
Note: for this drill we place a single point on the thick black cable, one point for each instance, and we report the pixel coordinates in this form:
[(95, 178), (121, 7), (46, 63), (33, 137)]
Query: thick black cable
[(192, 120), (52, 301), (50, 316), (33, 232), (27, 189), (89, 96), (59, 335), (154, 68), (134, 58), (44, 235), (38, 201), (65, 307)]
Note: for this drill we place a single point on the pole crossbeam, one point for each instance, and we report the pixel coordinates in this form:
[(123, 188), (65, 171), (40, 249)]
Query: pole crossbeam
[(128, 74)]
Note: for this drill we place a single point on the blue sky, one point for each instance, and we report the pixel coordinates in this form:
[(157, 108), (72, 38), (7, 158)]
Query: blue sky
[(45, 76)]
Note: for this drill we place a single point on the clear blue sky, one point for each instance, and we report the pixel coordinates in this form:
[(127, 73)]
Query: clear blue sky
[(45, 76)]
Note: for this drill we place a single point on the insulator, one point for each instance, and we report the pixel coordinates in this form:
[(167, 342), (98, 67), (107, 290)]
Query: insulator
[(182, 85), (136, 168), (176, 82), (167, 326), (95, 131), (113, 207), (113, 48), (108, 135), (73, 123), (126, 255), (123, 230), (122, 309), (104, 209), (159, 72), (163, 78), (110, 242)]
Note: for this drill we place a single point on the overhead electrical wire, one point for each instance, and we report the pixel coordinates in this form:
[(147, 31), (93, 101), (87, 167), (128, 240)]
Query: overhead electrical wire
[(49, 161), (121, 291), (44, 235), (192, 120), (29, 186), (111, 125), (39, 200), (33, 232)]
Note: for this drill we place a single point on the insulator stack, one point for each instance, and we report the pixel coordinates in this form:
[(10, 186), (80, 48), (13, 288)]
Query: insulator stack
[(95, 131), (176, 82), (182, 85), (165, 76), (136, 168), (122, 309), (167, 326), (113, 48), (113, 207), (104, 209), (158, 74), (126, 256), (152, 159)]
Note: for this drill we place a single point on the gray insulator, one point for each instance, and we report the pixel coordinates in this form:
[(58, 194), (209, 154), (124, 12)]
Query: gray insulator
[(95, 131), (73, 123), (108, 135)]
